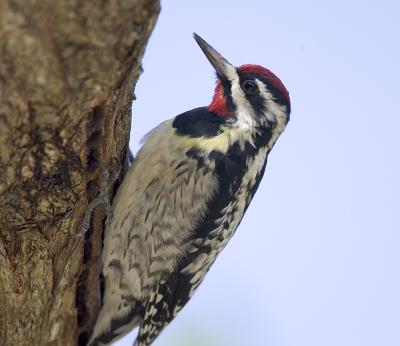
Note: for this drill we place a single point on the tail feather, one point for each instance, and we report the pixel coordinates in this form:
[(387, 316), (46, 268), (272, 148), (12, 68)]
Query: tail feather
[(118, 316)]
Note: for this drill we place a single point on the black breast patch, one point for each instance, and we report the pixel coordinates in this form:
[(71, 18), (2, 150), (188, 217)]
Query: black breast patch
[(198, 122), (229, 170)]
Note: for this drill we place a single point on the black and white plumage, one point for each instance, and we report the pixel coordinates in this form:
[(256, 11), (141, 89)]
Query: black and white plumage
[(184, 197)]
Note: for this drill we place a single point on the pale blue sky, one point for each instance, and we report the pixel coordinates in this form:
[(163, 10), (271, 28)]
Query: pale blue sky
[(316, 259)]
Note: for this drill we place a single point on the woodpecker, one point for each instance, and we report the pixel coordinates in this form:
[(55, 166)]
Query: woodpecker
[(183, 198)]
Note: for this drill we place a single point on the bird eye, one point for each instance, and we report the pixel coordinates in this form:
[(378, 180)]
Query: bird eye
[(249, 87)]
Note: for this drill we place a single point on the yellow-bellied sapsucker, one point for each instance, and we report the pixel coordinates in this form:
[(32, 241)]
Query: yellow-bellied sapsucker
[(184, 197)]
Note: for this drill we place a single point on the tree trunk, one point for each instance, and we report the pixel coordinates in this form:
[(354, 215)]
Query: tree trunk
[(67, 73)]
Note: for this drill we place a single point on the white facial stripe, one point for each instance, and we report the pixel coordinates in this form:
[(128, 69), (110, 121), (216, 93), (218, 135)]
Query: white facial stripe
[(231, 73), (241, 130), (244, 111)]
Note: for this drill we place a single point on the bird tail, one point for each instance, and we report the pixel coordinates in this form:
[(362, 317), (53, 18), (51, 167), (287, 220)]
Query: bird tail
[(118, 316)]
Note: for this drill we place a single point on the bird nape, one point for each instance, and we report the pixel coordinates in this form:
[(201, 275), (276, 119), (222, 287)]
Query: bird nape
[(183, 198)]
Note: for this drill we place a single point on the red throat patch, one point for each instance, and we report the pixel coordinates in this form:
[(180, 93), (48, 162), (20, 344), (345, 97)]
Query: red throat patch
[(218, 103)]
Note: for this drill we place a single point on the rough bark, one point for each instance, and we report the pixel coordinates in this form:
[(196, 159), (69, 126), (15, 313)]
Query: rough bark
[(67, 73)]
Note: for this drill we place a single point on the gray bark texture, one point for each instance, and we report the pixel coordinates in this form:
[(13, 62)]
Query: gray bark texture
[(67, 74)]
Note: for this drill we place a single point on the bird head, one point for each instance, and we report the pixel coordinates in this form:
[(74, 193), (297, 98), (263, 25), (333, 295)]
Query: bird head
[(250, 97)]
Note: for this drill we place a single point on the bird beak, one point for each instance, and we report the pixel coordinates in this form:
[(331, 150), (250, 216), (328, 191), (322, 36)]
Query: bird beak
[(223, 67)]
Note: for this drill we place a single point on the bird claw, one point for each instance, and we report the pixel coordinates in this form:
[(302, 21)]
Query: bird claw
[(103, 200)]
